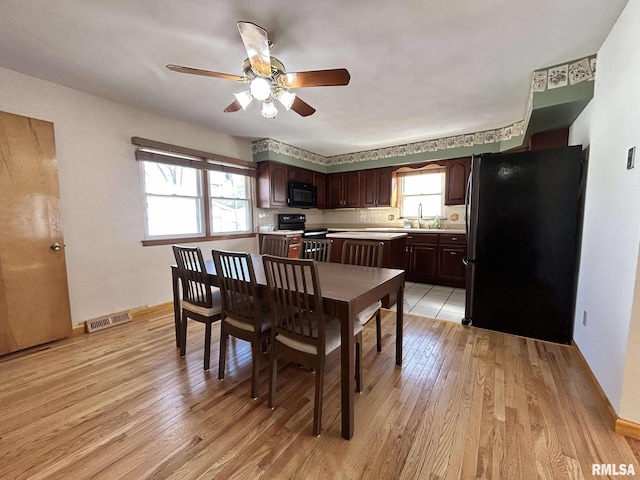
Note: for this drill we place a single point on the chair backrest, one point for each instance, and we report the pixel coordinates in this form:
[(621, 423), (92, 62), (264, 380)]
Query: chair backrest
[(277, 245), (296, 300), (318, 249), (366, 253), (238, 287), (196, 286)]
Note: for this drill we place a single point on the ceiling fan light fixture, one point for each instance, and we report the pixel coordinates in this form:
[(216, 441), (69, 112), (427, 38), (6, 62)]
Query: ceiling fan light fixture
[(244, 98), (286, 98), (260, 88), (269, 110)]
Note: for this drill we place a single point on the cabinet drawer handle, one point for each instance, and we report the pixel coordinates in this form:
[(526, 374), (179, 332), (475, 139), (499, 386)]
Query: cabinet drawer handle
[(453, 253), (454, 239)]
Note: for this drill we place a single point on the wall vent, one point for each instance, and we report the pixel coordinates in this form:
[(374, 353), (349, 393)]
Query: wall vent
[(101, 323)]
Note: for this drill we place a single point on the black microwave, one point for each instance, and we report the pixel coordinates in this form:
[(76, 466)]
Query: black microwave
[(304, 195)]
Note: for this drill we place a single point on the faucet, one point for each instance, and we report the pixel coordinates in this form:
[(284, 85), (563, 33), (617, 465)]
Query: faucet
[(419, 212)]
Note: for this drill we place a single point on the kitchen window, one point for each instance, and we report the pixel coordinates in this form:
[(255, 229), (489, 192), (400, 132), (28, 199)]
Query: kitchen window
[(193, 198), (422, 192)]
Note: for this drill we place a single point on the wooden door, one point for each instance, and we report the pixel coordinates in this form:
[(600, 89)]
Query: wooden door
[(34, 296)]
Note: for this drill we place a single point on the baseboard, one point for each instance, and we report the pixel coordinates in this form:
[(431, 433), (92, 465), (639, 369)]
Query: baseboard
[(162, 308), (627, 428), (77, 330), (610, 410)]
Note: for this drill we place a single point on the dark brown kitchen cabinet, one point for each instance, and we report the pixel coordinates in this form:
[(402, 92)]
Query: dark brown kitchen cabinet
[(302, 175), (344, 190), (376, 187), (549, 139), (436, 258), (456, 176), (421, 257), (451, 250), (273, 179), (272, 185), (320, 181)]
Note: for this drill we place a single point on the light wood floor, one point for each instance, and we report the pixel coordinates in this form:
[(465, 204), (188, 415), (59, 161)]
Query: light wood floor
[(467, 403)]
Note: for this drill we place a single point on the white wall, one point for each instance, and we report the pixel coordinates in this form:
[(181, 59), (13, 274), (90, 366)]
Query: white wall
[(609, 262), (108, 268)]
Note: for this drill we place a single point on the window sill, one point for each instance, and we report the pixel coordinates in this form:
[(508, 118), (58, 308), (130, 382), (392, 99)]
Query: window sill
[(181, 240)]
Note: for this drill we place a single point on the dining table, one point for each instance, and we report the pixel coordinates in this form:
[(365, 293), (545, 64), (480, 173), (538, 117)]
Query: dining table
[(346, 290)]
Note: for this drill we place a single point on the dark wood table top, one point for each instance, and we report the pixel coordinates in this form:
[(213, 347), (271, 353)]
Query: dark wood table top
[(341, 283)]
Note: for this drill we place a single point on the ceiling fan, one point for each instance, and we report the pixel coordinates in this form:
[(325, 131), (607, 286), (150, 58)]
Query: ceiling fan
[(267, 77)]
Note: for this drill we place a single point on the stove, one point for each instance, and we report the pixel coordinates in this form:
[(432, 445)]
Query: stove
[(295, 221)]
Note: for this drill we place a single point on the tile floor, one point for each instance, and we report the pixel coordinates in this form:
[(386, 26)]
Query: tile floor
[(434, 301)]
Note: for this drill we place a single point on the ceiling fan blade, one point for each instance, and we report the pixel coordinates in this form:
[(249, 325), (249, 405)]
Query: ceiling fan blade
[(256, 42), (317, 78), (302, 108), (233, 107), (206, 73)]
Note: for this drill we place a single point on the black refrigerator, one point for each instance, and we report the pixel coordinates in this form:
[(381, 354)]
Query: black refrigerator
[(524, 219)]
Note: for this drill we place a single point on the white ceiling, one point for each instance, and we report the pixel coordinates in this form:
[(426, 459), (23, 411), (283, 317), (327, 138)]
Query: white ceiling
[(419, 69)]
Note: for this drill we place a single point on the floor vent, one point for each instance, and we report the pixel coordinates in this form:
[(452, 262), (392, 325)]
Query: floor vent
[(101, 323)]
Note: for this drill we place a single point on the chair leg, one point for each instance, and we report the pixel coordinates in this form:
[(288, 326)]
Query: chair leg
[(223, 351), (358, 362), (317, 407), (273, 372), (255, 367), (207, 345), (183, 335), (378, 331)]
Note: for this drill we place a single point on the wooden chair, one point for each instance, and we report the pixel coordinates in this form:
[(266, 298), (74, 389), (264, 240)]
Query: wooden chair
[(300, 330), (366, 253), (318, 249), (243, 314), (277, 245), (200, 300)]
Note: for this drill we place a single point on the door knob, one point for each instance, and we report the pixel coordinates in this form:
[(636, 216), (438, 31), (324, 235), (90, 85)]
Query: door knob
[(56, 246)]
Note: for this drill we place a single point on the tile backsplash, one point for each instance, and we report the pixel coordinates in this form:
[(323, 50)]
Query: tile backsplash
[(352, 217)]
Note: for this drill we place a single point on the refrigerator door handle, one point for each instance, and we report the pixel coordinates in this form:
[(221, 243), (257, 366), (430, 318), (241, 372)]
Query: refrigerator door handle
[(467, 200)]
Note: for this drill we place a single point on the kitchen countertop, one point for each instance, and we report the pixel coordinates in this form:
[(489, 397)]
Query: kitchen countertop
[(367, 235), (282, 232), (455, 231)]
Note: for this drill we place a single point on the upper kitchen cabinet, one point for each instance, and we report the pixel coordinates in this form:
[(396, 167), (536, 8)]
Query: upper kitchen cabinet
[(320, 181), (272, 185), (549, 139), (302, 175), (456, 176), (273, 179), (344, 190), (376, 186)]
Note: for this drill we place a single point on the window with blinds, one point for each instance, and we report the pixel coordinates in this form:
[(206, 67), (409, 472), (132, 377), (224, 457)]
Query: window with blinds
[(193, 195)]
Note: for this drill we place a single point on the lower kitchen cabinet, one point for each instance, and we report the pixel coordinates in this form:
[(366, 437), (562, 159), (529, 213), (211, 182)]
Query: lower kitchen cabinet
[(436, 258), (450, 266), (422, 257)]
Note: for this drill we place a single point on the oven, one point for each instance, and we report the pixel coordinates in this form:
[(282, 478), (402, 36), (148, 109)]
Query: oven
[(296, 221)]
